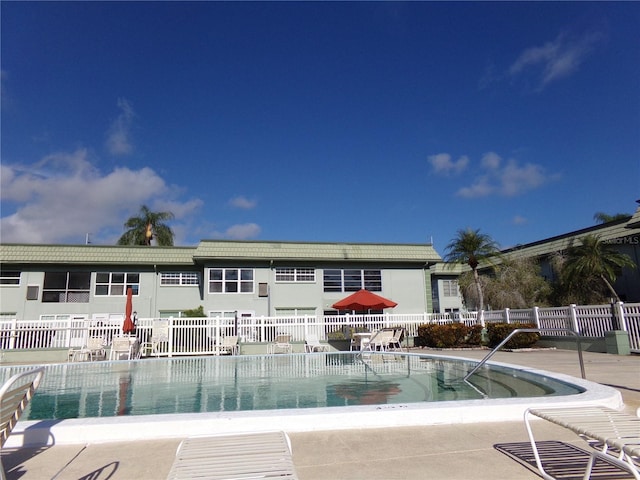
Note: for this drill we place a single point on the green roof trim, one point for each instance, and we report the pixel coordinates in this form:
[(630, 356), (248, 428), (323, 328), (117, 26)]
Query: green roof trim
[(293, 251), (95, 254), (210, 250)]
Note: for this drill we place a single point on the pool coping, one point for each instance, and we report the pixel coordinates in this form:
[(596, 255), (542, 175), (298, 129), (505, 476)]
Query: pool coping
[(165, 426)]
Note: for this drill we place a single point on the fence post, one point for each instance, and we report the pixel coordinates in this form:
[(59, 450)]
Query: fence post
[(263, 328), (622, 321), (13, 333), (170, 343), (536, 317), (574, 318), (506, 315)]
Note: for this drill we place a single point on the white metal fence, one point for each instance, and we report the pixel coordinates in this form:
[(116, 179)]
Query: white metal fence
[(189, 336)]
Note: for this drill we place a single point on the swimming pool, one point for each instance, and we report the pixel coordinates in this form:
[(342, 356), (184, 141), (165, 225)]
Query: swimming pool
[(184, 396)]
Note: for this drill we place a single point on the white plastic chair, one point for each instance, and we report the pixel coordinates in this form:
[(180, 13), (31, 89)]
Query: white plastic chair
[(312, 344), (15, 395), (229, 345), (281, 344), (123, 346), (159, 336)]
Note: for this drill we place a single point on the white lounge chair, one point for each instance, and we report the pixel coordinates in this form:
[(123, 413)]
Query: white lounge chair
[(229, 345), (380, 340), (15, 395), (159, 337), (241, 456), (127, 347), (396, 340), (312, 344), (617, 433), (282, 344)]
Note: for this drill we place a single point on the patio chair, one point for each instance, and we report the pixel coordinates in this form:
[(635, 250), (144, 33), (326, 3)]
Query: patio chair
[(92, 350), (123, 346), (380, 340), (282, 344), (312, 344), (95, 345), (396, 340), (229, 345), (159, 336), (15, 395), (614, 435), (245, 455)]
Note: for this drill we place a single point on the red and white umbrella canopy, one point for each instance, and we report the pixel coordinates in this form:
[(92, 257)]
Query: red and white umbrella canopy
[(364, 300)]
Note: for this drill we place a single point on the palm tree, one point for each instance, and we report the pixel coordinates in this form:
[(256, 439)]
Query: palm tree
[(147, 225), (601, 217), (595, 259), (471, 247)]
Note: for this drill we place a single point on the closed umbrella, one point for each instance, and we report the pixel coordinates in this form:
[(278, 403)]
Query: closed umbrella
[(128, 326), (364, 300)]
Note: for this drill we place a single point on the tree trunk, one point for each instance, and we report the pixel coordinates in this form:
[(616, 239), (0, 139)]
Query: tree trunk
[(615, 295), (476, 278)]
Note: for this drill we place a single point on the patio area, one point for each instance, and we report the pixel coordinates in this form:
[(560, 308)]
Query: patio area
[(463, 451)]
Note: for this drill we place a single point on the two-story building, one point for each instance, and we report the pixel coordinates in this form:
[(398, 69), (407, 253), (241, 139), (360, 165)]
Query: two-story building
[(226, 278)]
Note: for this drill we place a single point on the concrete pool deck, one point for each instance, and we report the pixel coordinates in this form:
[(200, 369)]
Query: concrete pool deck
[(459, 451)]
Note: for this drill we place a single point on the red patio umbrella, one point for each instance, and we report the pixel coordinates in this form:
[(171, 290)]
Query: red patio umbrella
[(128, 326), (364, 300)]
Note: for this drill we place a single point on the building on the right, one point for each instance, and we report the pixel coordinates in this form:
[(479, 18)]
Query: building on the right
[(623, 234)]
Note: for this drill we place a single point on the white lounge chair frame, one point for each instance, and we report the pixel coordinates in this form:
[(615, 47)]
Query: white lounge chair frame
[(229, 345), (380, 340), (618, 434), (312, 344), (281, 344), (241, 456), (15, 395), (93, 350), (124, 346), (159, 336)]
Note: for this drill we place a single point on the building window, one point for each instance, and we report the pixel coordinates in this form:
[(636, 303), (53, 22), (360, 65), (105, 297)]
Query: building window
[(66, 287), (298, 275), (115, 284), (450, 288), (8, 277), (179, 278), (352, 280), (230, 280)]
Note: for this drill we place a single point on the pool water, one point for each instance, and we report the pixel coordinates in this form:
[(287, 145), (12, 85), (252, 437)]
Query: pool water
[(248, 383)]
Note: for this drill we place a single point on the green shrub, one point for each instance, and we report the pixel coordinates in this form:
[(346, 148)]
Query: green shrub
[(442, 336), (497, 332), (474, 338), (449, 335)]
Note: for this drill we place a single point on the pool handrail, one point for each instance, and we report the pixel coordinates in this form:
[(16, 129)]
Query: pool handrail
[(531, 330)]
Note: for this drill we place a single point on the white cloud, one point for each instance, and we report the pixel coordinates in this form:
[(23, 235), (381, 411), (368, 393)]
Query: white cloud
[(119, 134), (442, 163), (491, 160), (555, 60), (515, 179), (242, 231), (519, 220), (509, 180), (480, 188), (242, 203), (63, 197)]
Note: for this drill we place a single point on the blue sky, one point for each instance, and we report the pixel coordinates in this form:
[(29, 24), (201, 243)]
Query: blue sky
[(318, 121)]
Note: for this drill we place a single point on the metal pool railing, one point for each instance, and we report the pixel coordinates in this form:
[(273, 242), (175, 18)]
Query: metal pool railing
[(531, 330)]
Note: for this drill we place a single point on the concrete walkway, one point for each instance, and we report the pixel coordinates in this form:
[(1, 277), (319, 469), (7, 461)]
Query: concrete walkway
[(447, 452)]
